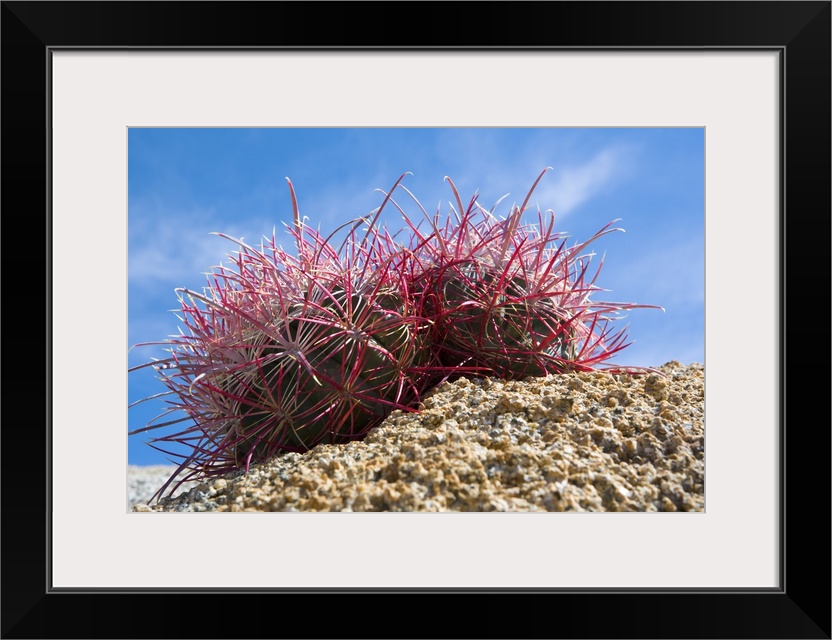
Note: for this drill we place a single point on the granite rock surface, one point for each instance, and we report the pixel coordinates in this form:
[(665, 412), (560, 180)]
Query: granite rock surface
[(592, 441)]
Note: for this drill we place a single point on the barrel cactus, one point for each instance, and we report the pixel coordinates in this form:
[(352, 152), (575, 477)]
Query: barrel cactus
[(283, 352), (510, 299)]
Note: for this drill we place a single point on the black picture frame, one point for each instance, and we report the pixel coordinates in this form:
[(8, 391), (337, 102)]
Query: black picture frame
[(799, 608)]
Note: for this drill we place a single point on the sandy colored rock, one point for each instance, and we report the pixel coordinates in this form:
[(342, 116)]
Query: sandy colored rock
[(576, 442)]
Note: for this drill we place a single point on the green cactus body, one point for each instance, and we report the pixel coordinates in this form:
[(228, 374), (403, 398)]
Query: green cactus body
[(357, 351), (285, 352), (495, 322)]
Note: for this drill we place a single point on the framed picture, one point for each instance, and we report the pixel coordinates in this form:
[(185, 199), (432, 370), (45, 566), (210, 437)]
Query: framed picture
[(78, 78)]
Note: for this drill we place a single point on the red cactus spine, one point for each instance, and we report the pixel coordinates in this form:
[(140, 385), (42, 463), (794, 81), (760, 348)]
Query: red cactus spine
[(283, 353), (512, 300)]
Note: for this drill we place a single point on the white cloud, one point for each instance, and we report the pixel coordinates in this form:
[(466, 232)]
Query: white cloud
[(178, 248), (565, 189), (487, 168)]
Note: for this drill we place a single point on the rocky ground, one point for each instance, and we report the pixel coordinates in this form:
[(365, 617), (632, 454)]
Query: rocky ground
[(575, 442), (144, 481)]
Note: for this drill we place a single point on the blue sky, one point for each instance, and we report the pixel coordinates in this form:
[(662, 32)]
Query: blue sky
[(185, 183)]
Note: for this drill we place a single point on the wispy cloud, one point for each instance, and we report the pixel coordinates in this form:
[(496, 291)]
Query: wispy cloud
[(574, 179), (567, 188), (211, 189), (180, 247)]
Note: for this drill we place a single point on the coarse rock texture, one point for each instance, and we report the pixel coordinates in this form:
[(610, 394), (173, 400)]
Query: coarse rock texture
[(144, 481), (592, 441)]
